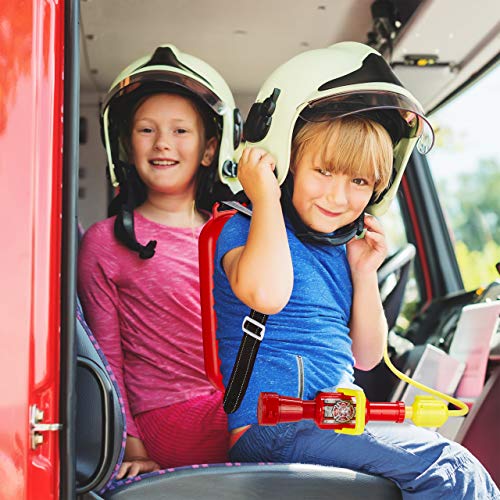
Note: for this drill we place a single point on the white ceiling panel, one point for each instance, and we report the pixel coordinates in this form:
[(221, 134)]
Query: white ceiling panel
[(246, 40), (243, 40), (459, 32)]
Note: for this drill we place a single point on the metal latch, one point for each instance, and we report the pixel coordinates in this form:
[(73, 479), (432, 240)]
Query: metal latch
[(37, 427)]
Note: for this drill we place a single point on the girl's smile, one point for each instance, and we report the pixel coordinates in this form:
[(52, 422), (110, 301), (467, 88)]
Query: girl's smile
[(162, 163)]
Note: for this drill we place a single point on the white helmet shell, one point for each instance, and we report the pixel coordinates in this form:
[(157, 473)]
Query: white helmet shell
[(177, 69), (334, 74)]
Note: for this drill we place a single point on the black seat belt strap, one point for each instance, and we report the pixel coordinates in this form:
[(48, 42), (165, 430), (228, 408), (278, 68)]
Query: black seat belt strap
[(253, 327)]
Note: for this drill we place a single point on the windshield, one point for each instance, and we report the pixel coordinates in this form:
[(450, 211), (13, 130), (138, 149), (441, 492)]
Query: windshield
[(465, 164)]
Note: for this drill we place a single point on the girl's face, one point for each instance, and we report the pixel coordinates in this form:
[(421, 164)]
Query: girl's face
[(168, 144), (327, 201)]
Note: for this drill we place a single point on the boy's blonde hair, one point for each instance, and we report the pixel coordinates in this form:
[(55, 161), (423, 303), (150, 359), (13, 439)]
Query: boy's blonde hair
[(352, 145)]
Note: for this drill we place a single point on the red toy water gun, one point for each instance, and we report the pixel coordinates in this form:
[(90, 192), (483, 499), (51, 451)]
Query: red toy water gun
[(347, 411)]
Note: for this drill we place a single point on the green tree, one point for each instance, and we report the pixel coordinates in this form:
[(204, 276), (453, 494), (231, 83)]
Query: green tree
[(476, 212), (478, 267), (473, 211)]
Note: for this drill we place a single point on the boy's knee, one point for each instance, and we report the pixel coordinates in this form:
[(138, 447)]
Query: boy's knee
[(468, 477), (461, 458)]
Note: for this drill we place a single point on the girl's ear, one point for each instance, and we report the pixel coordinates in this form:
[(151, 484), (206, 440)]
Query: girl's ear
[(209, 153)]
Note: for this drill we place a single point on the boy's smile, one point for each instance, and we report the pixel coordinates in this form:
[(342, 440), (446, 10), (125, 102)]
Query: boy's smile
[(327, 201), (328, 213)]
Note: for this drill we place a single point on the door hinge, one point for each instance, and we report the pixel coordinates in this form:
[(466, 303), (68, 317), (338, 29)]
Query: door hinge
[(37, 427)]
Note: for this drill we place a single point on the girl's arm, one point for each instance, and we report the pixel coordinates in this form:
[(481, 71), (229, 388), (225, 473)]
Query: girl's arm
[(98, 296), (261, 273), (368, 323)]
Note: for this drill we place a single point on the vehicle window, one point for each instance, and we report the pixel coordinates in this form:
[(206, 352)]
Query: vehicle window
[(465, 163), (396, 240), (394, 228)]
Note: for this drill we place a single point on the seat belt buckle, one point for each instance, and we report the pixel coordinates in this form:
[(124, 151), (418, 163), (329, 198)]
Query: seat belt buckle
[(259, 335)]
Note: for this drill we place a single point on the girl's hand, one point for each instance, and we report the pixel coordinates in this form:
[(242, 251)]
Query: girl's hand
[(367, 254), (256, 174), (135, 466), (136, 460)]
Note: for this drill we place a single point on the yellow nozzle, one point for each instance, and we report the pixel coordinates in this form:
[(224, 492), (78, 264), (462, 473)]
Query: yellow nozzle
[(427, 411)]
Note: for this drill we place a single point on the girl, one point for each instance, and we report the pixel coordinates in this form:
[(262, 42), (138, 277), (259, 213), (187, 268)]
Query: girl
[(168, 124)]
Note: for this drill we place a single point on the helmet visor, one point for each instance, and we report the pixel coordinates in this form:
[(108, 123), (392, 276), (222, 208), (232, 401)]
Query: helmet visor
[(401, 116), (132, 83)]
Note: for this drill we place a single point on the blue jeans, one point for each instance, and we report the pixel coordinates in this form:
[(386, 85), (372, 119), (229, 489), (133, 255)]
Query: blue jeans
[(421, 462)]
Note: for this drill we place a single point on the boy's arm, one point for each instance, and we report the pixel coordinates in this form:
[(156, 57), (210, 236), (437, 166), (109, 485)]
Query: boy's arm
[(368, 323), (261, 273)]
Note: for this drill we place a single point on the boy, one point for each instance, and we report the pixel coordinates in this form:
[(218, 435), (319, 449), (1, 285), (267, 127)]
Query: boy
[(323, 297)]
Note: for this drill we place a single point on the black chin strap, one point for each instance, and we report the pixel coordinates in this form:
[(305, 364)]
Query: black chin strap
[(124, 223), (305, 233), (125, 233)]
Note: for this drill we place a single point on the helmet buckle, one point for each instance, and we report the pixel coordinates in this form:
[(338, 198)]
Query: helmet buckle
[(230, 169), (260, 117)]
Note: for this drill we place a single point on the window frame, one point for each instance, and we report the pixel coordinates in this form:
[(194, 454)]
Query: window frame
[(436, 266)]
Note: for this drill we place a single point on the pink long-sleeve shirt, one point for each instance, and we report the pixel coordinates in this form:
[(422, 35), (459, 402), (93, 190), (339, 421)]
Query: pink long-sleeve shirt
[(145, 314)]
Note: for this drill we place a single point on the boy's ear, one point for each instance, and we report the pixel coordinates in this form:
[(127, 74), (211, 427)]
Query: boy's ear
[(209, 153)]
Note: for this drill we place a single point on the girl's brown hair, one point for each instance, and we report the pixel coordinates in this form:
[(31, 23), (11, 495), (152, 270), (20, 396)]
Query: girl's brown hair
[(352, 145)]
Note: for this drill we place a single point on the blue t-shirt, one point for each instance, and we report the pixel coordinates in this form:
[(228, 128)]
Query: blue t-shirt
[(306, 347)]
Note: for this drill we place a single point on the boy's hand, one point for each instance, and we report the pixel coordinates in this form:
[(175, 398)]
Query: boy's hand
[(367, 254), (256, 175)]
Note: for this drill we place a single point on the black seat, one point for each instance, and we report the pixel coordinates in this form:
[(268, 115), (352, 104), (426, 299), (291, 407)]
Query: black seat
[(252, 481), (101, 441), (99, 416)]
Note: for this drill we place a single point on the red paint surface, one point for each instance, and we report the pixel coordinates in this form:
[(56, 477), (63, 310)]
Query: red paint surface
[(31, 129), (419, 243)]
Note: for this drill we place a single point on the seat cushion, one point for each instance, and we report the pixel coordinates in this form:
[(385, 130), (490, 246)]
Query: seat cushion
[(254, 481)]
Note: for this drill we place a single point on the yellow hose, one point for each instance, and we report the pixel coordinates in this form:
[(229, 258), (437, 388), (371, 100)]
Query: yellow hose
[(464, 409)]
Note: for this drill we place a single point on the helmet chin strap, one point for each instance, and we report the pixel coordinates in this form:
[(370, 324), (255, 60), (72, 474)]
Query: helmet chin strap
[(339, 237), (124, 223)]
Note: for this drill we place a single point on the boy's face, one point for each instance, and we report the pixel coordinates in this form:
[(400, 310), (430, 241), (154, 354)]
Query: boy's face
[(326, 201), (168, 144)]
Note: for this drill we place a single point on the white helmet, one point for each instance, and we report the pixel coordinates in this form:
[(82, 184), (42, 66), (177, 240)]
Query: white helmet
[(343, 79), (166, 70), (170, 68)]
